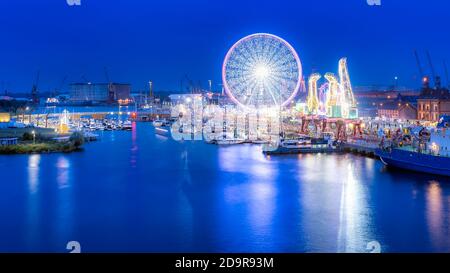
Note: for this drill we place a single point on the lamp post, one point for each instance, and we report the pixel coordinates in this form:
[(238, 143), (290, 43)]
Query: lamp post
[(34, 136)]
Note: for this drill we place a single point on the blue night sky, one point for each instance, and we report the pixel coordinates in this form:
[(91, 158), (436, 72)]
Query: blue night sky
[(139, 40)]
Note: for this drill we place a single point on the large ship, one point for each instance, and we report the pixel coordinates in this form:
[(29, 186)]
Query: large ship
[(430, 155)]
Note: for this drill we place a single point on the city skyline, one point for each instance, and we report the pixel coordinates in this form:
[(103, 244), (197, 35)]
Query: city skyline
[(166, 45)]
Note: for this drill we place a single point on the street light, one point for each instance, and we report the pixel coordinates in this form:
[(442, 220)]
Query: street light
[(34, 136)]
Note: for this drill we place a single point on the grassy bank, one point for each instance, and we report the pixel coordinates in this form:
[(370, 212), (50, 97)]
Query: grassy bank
[(47, 147), (19, 132), (41, 142)]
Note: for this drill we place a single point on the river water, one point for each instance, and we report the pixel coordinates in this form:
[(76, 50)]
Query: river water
[(141, 192)]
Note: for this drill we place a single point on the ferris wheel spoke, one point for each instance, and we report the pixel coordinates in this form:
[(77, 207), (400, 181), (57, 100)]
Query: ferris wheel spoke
[(261, 70)]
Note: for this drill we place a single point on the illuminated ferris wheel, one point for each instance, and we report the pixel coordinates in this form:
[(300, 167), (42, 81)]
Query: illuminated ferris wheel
[(261, 70)]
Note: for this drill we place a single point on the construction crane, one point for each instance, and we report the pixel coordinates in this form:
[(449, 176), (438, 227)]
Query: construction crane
[(191, 84), (110, 89), (152, 96), (34, 90), (433, 73), (421, 75), (83, 77), (446, 74)]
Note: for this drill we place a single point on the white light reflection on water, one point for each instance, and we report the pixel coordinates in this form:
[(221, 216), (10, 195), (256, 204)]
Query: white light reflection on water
[(258, 194), (33, 172), (64, 205), (134, 147), (62, 166), (235, 159), (33, 201), (434, 215), (354, 220), (335, 212), (261, 207)]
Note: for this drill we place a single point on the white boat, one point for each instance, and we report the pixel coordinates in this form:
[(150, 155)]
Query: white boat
[(158, 123), (161, 123), (127, 125), (295, 143), (260, 141), (229, 141)]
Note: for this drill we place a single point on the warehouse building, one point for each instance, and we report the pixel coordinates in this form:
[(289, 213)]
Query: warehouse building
[(99, 92)]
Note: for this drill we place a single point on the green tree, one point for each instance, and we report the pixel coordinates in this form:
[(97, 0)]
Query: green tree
[(77, 139)]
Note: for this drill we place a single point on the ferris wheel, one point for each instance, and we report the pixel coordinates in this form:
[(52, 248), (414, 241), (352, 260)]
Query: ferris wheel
[(261, 70)]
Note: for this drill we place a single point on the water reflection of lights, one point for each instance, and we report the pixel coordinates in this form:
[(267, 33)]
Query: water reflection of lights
[(63, 168), (258, 199), (262, 206), (33, 172), (134, 146), (33, 198), (258, 194), (234, 159), (434, 214), (353, 233)]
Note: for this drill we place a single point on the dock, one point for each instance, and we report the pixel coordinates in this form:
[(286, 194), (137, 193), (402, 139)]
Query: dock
[(361, 147)]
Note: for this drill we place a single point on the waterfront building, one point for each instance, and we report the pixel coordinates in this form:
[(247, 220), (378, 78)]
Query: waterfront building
[(399, 108), (373, 101), (8, 141), (433, 102), (177, 99), (5, 117), (99, 92)]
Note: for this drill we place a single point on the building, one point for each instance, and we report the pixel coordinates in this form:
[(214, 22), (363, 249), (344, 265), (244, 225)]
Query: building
[(99, 92), (8, 141), (397, 110), (176, 99), (375, 101), (5, 117), (433, 102)]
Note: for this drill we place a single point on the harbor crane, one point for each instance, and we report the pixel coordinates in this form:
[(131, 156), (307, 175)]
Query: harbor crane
[(419, 65), (110, 91), (190, 83), (446, 74), (436, 79), (83, 77), (34, 89)]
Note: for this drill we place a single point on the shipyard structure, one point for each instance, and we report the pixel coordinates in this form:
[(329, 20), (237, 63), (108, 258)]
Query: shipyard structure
[(99, 93)]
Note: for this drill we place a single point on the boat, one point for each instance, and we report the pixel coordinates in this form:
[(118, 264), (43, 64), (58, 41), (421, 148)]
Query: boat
[(161, 123), (431, 154), (127, 125), (224, 142), (301, 145), (162, 131), (260, 141)]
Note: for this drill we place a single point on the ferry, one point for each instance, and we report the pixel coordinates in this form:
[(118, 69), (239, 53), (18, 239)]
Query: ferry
[(432, 154)]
